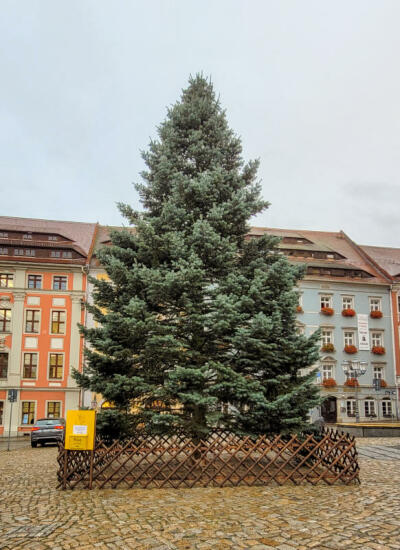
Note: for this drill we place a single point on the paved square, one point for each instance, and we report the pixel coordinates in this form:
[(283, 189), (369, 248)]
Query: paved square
[(35, 516)]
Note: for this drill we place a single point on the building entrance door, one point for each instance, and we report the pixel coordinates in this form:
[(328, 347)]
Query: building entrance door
[(329, 410)]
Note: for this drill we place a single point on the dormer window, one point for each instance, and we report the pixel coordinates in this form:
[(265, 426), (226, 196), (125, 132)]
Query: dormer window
[(52, 237), (55, 254), (3, 235), (67, 254), (27, 236), (3, 251)]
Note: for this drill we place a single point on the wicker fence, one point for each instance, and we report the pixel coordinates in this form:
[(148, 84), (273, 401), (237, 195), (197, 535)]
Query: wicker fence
[(221, 460)]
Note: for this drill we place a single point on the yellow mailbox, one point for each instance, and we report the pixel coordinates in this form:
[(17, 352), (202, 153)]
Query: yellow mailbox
[(80, 430)]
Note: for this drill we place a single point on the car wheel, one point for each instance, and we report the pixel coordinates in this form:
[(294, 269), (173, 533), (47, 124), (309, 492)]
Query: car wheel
[(34, 444)]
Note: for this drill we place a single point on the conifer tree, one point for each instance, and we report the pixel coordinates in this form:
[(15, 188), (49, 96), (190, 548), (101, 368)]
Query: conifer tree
[(197, 323)]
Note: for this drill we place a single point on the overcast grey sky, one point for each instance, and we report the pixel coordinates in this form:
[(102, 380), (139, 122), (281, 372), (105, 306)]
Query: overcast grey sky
[(311, 86)]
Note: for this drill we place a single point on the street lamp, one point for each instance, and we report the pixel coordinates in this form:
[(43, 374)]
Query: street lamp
[(355, 369)]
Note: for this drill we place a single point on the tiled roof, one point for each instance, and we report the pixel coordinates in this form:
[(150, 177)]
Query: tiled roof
[(80, 233), (353, 258), (388, 258)]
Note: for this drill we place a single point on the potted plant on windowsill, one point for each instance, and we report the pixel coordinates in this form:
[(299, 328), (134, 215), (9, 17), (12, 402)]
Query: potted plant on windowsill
[(351, 382), (378, 350), (299, 309), (350, 349), (383, 383), (327, 311), (348, 312), (329, 382), (376, 314), (328, 348)]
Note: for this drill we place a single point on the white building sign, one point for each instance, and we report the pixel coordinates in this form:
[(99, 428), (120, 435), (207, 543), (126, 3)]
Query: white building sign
[(363, 333)]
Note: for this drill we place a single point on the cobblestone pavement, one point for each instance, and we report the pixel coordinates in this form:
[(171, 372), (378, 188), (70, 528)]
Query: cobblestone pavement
[(35, 516)]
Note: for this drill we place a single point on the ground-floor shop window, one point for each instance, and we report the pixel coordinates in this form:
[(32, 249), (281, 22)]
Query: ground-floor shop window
[(386, 407), (351, 407), (28, 412), (53, 409), (369, 407)]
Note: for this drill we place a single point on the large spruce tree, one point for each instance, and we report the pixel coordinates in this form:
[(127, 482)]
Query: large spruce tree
[(197, 323)]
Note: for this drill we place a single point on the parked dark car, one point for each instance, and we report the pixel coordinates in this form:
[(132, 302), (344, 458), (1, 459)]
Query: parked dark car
[(48, 430)]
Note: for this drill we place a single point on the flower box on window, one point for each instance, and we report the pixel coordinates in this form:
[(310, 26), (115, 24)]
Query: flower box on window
[(327, 311), (299, 309), (378, 350), (383, 384), (352, 382), (329, 382), (330, 348), (348, 312), (376, 314), (350, 349)]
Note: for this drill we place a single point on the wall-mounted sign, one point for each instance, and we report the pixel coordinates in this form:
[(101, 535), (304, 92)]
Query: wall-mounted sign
[(363, 332)]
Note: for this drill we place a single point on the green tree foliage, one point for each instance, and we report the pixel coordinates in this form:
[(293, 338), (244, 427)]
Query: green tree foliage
[(197, 322)]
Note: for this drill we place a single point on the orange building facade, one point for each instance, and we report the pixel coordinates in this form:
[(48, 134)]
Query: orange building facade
[(43, 280)]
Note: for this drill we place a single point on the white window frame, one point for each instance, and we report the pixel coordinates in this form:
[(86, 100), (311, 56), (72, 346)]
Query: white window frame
[(325, 300), (351, 302), (352, 407), (353, 337), (378, 372), (388, 404), (327, 370), (369, 407), (373, 334), (326, 338), (375, 303)]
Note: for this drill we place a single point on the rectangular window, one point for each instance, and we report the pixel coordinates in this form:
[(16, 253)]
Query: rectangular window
[(1, 412), (30, 365), (34, 281), (53, 409), (55, 254), (369, 407), (386, 407), (351, 407), (327, 371), (59, 283), (347, 302), (18, 251), (6, 280), (378, 373), (52, 238), (67, 254), (349, 338), (32, 321), (28, 412), (375, 304), (5, 320), (3, 365), (326, 336), (27, 236), (56, 366), (3, 235), (30, 252), (58, 322), (326, 301), (3, 251), (377, 339)]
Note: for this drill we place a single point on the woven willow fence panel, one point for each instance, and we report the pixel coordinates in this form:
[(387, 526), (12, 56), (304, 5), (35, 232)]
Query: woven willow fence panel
[(221, 460)]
